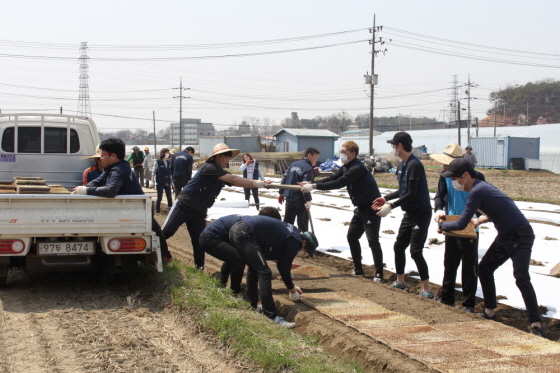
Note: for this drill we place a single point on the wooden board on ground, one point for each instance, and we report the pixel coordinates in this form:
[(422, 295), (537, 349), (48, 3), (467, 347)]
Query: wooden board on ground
[(468, 232), (308, 273)]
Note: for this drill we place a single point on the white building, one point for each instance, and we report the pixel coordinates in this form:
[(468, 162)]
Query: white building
[(192, 129)]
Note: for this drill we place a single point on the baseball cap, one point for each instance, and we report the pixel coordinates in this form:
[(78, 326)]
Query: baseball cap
[(458, 167), (311, 244), (400, 138)]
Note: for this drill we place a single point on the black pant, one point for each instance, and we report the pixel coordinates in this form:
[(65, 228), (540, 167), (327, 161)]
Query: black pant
[(179, 183), (413, 231), (457, 249), (234, 263), (162, 242), (297, 209), (259, 274), (518, 249), (195, 221), (160, 188), (139, 172), (365, 220), (255, 192)]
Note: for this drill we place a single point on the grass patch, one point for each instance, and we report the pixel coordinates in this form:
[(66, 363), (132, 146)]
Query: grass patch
[(535, 199), (250, 334)]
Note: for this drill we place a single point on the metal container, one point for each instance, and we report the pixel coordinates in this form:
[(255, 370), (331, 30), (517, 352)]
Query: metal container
[(498, 152)]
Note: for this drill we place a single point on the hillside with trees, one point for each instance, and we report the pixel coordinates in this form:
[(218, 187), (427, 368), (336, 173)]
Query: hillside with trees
[(529, 104)]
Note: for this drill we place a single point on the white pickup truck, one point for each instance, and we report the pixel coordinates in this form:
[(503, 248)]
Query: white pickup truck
[(50, 232)]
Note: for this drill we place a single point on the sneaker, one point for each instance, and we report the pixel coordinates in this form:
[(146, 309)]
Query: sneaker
[(537, 330), (426, 294), (166, 259), (258, 309), (484, 315), (468, 309), (378, 278), (358, 272), (283, 323), (402, 286)]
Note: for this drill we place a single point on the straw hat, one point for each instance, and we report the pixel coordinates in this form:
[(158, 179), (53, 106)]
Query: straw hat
[(97, 153), (223, 148), (451, 152), (146, 148)]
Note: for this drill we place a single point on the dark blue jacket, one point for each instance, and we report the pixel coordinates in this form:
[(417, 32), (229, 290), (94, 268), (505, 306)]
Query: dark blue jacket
[(117, 179), (182, 165), (201, 191), (220, 228), (298, 172), (357, 179), (163, 172), (422, 198)]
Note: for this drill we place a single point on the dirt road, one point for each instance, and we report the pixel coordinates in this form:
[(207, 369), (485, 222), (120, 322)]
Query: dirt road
[(74, 323)]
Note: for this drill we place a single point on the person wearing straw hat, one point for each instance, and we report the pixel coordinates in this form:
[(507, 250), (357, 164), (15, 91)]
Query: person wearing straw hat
[(94, 171), (194, 200), (450, 201), (514, 241), (148, 162), (137, 158)]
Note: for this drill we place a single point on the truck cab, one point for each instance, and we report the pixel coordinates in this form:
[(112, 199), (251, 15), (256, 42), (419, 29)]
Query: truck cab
[(51, 146)]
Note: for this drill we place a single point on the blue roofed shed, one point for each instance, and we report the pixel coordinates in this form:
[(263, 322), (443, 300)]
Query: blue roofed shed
[(297, 140)]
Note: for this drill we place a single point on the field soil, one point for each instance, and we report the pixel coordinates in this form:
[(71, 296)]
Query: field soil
[(73, 322)]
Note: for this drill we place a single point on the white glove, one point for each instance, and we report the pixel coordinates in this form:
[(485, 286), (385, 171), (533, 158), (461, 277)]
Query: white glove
[(80, 190), (438, 215), (385, 210), (307, 205), (307, 188), (258, 184), (296, 296)]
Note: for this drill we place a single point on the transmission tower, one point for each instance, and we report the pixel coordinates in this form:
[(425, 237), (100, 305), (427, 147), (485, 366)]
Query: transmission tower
[(83, 102), (454, 100)]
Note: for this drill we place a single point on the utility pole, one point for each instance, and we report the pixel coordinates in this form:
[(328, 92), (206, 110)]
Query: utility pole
[(468, 92), (372, 80), (527, 117), (181, 97), (495, 116), (155, 135), (476, 122), (458, 122)]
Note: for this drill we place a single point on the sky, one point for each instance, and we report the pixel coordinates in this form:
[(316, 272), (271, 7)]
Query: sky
[(330, 229), (265, 59)]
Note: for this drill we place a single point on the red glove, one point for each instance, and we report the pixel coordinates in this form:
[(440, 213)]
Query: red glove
[(280, 199), (250, 161)]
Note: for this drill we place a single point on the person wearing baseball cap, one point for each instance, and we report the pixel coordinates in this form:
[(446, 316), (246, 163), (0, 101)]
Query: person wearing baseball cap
[(182, 169), (194, 200), (449, 201), (514, 241), (414, 199)]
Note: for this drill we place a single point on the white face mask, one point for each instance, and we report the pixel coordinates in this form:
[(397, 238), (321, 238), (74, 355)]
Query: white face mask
[(396, 152), (166, 155), (457, 186), (344, 158)]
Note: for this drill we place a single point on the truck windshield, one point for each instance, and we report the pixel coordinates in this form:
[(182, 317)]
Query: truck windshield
[(29, 140)]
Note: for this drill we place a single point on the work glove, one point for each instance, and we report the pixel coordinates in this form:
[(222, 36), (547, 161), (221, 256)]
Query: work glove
[(259, 184), (296, 295), (280, 199), (439, 214), (307, 188), (378, 203), (385, 210), (250, 161), (80, 190), (308, 205)]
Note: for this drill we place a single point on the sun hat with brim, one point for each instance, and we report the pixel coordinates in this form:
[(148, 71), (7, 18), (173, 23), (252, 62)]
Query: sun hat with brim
[(451, 152), (458, 167), (135, 148), (311, 242), (97, 153), (221, 149)]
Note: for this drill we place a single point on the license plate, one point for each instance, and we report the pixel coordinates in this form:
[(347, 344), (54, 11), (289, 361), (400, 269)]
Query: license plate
[(65, 248)]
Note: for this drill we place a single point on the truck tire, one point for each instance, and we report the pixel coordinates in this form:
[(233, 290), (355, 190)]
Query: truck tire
[(3, 281), (3, 275)]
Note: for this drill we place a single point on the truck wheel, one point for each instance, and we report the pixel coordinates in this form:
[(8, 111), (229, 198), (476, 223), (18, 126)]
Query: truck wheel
[(3, 281)]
